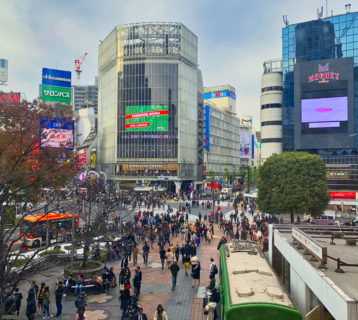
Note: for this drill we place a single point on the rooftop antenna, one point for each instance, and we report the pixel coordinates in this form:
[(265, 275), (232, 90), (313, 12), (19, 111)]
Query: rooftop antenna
[(285, 21), (348, 8), (319, 13)]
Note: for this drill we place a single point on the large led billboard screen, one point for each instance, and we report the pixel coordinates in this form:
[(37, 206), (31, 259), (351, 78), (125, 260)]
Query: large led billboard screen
[(57, 133), (146, 118), (324, 110), (323, 104)]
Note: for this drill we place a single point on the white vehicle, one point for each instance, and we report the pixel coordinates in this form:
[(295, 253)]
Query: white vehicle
[(225, 193)]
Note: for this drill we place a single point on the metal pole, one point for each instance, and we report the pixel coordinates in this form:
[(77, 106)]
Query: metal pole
[(47, 227), (73, 234)]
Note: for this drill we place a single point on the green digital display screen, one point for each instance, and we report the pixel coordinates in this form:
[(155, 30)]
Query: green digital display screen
[(146, 118)]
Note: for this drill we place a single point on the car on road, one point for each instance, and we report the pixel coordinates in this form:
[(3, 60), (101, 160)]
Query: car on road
[(324, 220)]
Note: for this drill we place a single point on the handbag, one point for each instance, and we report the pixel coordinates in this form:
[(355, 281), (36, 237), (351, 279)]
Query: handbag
[(206, 312), (121, 287)]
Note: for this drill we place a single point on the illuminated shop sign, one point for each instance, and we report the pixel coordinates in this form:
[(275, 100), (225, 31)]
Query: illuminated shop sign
[(220, 94), (323, 75), (10, 97), (342, 195)]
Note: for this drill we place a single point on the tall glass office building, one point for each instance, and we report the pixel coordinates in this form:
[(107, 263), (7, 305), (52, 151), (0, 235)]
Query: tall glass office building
[(150, 117), (320, 94)]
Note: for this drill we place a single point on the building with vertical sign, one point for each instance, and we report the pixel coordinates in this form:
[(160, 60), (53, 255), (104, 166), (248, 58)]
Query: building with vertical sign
[(56, 86), (150, 105), (222, 140), (4, 71), (320, 89)]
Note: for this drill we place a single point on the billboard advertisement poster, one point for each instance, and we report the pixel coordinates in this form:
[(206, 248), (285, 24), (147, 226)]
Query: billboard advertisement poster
[(56, 94), (244, 145), (3, 70), (54, 77), (10, 96), (56, 138), (220, 94), (58, 132), (146, 118), (93, 159), (207, 127), (325, 110)]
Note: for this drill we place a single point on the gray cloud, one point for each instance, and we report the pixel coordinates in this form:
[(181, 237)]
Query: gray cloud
[(235, 36)]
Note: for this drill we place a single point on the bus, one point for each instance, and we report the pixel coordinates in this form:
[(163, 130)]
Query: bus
[(249, 288), (34, 228)]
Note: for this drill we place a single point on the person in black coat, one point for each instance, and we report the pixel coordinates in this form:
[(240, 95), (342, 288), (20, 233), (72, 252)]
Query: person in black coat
[(195, 273), (141, 315), (31, 305), (124, 263)]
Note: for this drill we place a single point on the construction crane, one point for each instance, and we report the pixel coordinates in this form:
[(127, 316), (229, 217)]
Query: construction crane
[(78, 64)]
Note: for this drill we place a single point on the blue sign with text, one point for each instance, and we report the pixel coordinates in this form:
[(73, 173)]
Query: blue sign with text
[(54, 77), (207, 128), (220, 94)]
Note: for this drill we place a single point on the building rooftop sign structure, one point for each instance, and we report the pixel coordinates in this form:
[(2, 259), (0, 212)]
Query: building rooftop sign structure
[(317, 250)]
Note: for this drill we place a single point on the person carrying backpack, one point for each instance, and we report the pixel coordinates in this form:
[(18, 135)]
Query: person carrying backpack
[(213, 268)]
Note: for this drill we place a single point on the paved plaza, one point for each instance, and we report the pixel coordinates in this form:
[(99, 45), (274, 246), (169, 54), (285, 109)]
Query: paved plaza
[(181, 304)]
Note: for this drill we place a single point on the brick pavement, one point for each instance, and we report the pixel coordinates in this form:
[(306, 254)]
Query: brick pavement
[(181, 304)]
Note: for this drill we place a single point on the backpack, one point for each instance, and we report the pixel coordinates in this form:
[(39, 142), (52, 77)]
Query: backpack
[(215, 295), (215, 269)]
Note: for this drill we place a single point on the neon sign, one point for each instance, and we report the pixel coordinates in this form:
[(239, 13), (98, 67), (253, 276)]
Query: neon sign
[(10, 97), (323, 75)]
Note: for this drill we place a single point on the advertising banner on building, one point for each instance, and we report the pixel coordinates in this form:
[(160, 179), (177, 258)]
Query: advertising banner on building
[(10, 96), (244, 145), (3, 70), (220, 94), (54, 77), (56, 94), (207, 128), (57, 133), (93, 159), (146, 118)]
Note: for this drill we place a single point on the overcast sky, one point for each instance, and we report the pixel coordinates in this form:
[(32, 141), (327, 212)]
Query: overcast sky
[(235, 36)]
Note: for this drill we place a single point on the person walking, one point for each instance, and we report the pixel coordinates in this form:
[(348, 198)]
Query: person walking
[(137, 281), (170, 258), (174, 269), (18, 298), (80, 304), (160, 313), (195, 274), (31, 304), (162, 256), (177, 252), (46, 303), (213, 267), (135, 255), (145, 252), (58, 296)]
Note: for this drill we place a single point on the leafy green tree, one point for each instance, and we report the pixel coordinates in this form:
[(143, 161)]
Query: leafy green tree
[(293, 182), (227, 175)]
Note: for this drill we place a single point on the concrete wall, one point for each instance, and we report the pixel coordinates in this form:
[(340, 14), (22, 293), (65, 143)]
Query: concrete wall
[(332, 297)]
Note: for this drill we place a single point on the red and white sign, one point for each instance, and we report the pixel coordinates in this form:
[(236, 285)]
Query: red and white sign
[(323, 75), (10, 97), (137, 125), (342, 195), (146, 114)]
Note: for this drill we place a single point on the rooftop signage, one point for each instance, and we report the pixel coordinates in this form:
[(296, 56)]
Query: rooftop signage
[(310, 245), (323, 75)]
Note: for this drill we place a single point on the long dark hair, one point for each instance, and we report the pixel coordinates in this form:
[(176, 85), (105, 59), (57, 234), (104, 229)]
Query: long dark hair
[(161, 309)]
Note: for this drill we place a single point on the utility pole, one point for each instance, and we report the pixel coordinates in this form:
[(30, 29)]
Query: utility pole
[(73, 233), (47, 227), (248, 179)]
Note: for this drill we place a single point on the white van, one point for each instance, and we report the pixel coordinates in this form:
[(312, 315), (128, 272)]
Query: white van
[(225, 193)]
